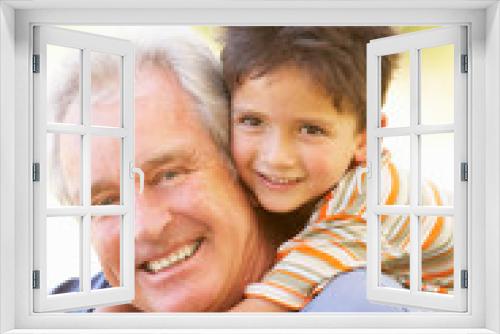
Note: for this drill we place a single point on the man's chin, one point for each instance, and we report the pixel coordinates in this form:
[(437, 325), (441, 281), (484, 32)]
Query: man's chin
[(173, 304), (118, 308), (202, 296)]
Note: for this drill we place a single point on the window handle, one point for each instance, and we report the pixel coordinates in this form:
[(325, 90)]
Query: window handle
[(138, 171)]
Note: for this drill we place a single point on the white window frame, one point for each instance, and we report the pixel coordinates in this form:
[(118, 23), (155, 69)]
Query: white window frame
[(483, 18), (86, 44), (414, 43)]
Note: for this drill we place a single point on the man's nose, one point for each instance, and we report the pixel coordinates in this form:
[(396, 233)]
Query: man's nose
[(151, 218), (278, 150)]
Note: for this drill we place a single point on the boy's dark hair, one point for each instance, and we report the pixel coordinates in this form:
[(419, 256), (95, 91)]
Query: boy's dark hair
[(333, 57)]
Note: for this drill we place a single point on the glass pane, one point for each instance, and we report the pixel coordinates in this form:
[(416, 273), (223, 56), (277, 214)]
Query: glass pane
[(397, 97), (106, 251), (394, 246), (63, 85), (63, 169), (63, 253), (437, 85), (436, 234), (106, 89), (437, 169), (106, 170), (394, 169)]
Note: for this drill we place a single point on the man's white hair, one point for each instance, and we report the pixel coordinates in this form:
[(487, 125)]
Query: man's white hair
[(174, 49)]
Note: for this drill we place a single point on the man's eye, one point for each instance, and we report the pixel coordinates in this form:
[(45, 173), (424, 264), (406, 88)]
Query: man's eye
[(312, 130), (250, 121), (169, 175), (165, 177), (110, 200), (107, 201)]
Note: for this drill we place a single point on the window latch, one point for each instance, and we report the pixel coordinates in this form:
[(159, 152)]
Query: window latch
[(464, 171), (464, 277), (36, 63), (465, 64), (36, 172), (138, 171)]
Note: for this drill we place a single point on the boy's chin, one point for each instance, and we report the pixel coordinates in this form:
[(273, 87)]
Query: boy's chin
[(282, 206), (279, 206)]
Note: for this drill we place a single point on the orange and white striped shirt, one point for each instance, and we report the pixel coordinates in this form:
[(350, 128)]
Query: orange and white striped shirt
[(334, 241)]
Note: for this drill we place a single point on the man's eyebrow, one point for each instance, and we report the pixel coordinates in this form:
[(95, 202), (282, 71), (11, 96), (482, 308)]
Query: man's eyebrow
[(170, 156), (102, 187)]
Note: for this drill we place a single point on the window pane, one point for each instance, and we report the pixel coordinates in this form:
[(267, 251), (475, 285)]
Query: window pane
[(106, 250), (397, 99), (63, 169), (437, 169), (394, 245), (63, 252), (106, 89), (106, 170), (436, 85), (63, 84), (394, 169), (436, 235)]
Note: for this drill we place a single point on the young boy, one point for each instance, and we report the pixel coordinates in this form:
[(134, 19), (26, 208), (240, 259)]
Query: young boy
[(298, 141)]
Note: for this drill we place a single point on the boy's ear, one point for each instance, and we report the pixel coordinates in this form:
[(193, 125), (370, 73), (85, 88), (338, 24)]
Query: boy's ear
[(360, 149)]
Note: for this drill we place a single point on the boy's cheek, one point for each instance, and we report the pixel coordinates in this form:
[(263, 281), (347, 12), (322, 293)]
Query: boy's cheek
[(242, 148)]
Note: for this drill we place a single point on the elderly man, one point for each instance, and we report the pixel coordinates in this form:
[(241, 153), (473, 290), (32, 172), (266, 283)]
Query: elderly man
[(198, 240)]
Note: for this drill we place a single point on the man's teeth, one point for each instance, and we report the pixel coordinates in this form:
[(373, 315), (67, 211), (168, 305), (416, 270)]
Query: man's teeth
[(182, 254)]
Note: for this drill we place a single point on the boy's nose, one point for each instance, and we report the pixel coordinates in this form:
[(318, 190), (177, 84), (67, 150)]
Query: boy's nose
[(279, 151)]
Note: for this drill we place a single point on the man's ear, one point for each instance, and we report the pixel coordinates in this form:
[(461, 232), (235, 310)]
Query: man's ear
[(360, 149)]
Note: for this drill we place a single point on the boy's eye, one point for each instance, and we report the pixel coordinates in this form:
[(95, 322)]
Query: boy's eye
[(312, 130), (250, 121)]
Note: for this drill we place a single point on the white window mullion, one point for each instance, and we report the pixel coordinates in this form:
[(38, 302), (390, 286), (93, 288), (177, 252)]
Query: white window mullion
[(128, 154), (414, 250), (85, 251), (372, 200), (419, 210), (81, 130), (417, 129), (86, 172)]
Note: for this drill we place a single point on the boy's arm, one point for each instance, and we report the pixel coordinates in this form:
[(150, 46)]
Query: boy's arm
[(330, 244), (436, 233), (258, 305), (304, 270), (335, 242)]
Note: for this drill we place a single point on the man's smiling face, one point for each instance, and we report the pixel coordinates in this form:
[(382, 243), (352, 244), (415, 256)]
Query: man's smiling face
[(196, 241)]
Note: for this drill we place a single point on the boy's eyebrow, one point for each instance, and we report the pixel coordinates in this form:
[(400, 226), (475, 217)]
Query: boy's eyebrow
[(243, 108)]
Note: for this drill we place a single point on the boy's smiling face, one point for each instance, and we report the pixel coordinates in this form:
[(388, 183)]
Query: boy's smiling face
[(289, 143)]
